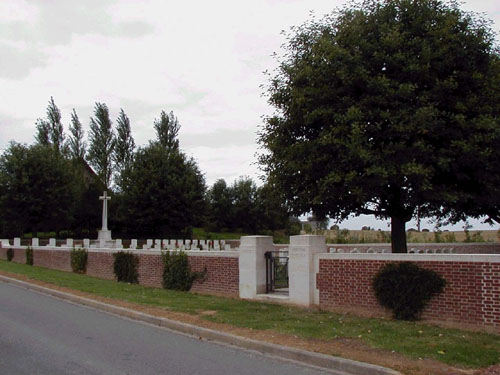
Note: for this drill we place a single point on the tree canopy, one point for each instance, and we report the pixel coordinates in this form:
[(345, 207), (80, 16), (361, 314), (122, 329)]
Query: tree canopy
[(383, 107), (163, 190), (36, 189)]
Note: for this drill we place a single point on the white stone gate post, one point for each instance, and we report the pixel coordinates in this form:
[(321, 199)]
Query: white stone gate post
[(302, 278), (252, 264)]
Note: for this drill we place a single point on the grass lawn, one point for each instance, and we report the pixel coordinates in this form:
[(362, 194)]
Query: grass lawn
[(414, 340)]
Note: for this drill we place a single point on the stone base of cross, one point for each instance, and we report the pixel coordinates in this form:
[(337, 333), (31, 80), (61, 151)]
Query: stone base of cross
[(104, 235)]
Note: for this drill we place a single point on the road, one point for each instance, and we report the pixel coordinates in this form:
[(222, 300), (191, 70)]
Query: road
[(46, 336)]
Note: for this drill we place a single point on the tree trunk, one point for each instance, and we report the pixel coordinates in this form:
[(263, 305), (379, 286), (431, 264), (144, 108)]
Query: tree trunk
[(398, 235)]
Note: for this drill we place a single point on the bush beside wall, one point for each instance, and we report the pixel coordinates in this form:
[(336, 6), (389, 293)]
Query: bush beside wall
[(177, 272), (79, 260), (29, 256), (406, 288), (125, 267)]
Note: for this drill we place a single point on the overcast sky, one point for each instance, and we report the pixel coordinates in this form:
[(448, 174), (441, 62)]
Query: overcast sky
[(204, 60)]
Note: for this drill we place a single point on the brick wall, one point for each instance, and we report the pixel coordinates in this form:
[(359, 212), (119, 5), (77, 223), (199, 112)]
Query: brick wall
[(53, 259), (471, 295), (100, 264), (19, 255), (222, 276), (150, 270)]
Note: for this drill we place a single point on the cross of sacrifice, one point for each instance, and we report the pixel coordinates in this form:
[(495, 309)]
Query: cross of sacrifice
[(104, 198)]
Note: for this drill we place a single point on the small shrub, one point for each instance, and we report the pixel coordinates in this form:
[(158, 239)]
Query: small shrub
[(79, 260), (10, 254), (406, 288), (125, 266), (29, 256), (177, 273)]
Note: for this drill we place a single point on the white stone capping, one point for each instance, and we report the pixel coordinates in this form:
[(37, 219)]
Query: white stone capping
[(17, 241), (34, 242), (301, 268), (477, 258)]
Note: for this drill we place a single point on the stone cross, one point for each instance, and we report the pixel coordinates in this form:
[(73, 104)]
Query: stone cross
[(105, 200)]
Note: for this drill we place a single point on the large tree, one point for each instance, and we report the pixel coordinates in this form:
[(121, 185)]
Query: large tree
[(101, 143), (164, 192), (220, 205), (36, 189), (382, 107)]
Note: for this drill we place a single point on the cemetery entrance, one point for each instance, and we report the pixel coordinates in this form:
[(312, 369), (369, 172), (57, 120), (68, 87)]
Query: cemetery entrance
[(277, 271)]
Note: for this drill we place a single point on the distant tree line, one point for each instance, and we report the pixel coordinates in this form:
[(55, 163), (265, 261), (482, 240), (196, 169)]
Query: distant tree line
[(157, 190)]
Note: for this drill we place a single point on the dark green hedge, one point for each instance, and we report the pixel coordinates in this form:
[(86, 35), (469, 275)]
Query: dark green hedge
[(125, 267), (79, 260), (177, 273), (406, 288)]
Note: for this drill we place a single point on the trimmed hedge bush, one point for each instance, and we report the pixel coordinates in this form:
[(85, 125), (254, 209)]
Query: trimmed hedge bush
[(406, 288), (79, 260), (10, 254), (125, 267), (177, 271), (29, 256)]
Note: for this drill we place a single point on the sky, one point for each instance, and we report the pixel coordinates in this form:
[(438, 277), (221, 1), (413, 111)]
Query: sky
[(203, 60)]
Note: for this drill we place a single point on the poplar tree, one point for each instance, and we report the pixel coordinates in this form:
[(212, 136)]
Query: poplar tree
[(124, 147), (76, 144), (101, 143), (50, 130)]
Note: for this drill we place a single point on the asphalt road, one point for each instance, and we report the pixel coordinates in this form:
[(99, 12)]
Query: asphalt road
[(47, 336)]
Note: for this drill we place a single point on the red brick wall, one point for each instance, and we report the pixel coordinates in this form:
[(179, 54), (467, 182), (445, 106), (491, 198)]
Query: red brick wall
[(471, 295), (223, 275), (19, 255), (150, 270), (100, 264), (53, 259)]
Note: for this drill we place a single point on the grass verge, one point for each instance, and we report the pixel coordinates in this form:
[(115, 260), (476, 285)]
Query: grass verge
[(414, 340)]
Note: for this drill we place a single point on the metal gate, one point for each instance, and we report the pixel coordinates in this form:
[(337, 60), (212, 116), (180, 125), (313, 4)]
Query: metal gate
[(276, 270)]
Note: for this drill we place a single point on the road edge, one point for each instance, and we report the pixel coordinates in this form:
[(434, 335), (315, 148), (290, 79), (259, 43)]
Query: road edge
[(311, 358)]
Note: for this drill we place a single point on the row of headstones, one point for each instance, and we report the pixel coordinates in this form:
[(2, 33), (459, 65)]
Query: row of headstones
[(215, 245), (386, 251), (35, 242), (357, 251)]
